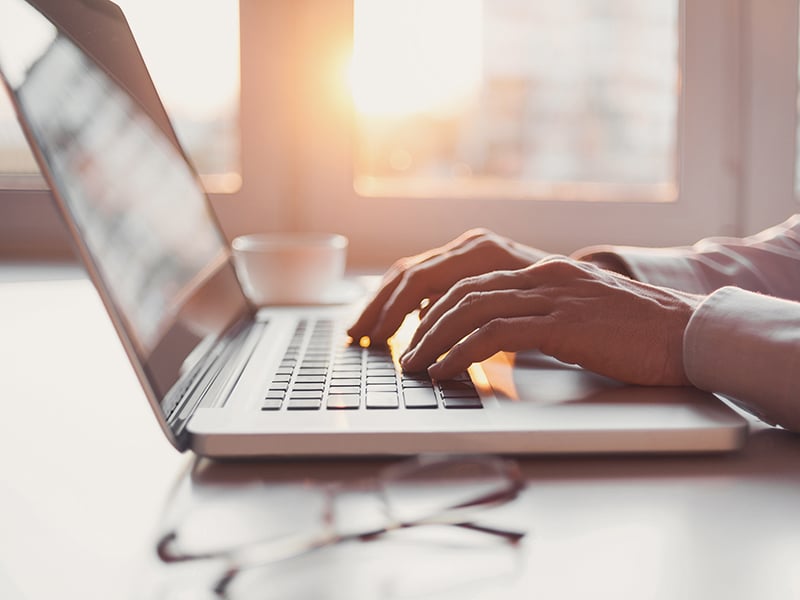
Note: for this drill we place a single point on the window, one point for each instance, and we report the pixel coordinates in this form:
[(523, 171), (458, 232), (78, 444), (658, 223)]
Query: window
[(198, 82), (195, 65), (15, 156), (519, 97), (563, 197)]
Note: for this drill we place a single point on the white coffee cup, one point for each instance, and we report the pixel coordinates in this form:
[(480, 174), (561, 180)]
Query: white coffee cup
[(289, 268)]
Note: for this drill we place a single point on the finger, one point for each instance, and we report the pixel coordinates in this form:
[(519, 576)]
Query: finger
[(418, 283), (473, 312), (391, 279), (496, 280), (427, 303), (429, 278), (368, 319), (503, 334), (369, 314), (552, 271)]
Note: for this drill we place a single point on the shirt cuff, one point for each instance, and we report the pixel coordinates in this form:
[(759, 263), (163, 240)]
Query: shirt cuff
[(746, 346)]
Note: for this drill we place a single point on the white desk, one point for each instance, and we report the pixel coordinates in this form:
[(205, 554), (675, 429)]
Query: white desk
[(85, 468), (86, 472)]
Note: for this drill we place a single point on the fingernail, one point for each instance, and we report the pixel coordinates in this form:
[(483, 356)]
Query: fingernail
[(406, 358), (433, 370)]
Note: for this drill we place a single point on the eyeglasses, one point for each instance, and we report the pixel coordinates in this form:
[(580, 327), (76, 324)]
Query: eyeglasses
[(425, 490)]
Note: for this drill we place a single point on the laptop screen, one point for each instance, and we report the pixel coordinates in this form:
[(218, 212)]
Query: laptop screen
[(141, 218)]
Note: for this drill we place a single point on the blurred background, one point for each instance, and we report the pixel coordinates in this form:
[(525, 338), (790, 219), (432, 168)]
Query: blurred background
[(527, 116)]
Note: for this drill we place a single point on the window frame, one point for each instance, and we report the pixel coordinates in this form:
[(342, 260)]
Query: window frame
[(769, 91)]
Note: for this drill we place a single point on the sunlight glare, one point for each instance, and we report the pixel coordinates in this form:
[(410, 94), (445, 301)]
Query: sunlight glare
[(183, 61), (414, 56)]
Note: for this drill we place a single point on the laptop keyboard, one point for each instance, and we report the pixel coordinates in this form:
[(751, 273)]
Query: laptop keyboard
[(321, 371)]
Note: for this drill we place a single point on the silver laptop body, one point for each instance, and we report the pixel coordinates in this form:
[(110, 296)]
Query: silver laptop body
[(211, 365)]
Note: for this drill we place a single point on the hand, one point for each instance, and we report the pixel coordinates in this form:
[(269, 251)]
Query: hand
[(418, 281), (573, 311)]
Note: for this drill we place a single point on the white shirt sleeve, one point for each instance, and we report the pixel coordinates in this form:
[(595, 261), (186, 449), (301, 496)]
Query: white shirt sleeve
[(744, 339), (747, 346), (768, 262)]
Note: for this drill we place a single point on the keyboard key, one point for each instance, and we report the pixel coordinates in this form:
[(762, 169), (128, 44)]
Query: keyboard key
[(271, 404), (380, 380), (312, 371), (416, 383), (314, 364), (343, 401), (347, 359), (417, 375), (348, 389), (313, 352), (380, 364), (420, 398), (345, 381), (371, 387), (457, 389), (303, 403), (310, 379), (306, 394), (474, 402), (308, 387), (382, 372), (382, 399)]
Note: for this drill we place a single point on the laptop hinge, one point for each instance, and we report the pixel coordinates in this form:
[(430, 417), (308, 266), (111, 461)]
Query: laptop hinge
[(214, 377)]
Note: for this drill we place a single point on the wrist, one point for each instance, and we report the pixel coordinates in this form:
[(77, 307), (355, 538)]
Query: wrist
[(609, 262)]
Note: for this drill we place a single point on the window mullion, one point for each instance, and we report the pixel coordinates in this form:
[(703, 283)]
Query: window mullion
[(769, 115)]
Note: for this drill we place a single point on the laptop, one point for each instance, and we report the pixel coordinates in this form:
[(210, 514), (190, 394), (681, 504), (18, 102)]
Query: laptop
[(227, 379)]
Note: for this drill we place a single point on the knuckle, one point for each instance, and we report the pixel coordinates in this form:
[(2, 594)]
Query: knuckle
[(396, 270), (495, 327), (466, 285), (410, 277), (470, 299), (402, 264), (559, 267), (478, 232), (480, 239), (486, 242)]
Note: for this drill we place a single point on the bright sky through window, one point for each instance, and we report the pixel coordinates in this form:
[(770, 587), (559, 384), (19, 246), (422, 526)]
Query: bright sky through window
[(194, 61), (415, 56), (523, 98)]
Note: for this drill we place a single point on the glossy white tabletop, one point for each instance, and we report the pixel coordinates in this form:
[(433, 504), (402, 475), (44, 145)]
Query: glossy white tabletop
[(87, 473)]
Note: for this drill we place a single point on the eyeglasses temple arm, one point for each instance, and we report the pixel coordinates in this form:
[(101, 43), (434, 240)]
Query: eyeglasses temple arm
[(508, 534)]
